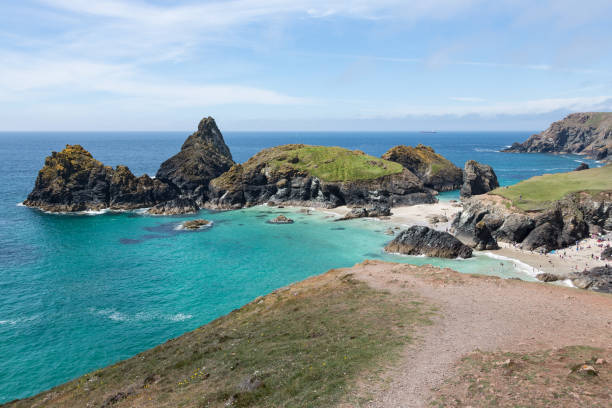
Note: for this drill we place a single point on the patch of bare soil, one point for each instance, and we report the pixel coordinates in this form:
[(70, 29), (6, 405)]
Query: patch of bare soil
[(568, 377), (481, 313)]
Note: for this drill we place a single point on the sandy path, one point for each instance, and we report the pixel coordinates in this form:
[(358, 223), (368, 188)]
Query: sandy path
[(485, 313)]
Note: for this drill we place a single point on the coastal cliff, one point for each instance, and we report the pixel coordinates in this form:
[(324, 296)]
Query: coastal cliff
[(543, 213), (588, 133), (72, 180), (436, 172), (316, 175)]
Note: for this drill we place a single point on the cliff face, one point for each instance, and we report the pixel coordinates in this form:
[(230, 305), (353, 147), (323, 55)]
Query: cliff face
[(72, 180), (203, 156), (434, 170), (587, 133), (316, 175), (563, 223)]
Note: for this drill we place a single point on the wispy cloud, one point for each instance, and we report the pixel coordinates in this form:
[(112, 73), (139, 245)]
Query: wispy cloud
[(466, 99)]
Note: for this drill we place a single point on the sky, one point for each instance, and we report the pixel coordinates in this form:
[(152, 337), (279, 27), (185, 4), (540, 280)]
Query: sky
[(302, 64)]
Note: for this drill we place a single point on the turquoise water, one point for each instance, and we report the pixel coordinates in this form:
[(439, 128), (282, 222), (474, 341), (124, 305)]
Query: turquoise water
[(80, 292)]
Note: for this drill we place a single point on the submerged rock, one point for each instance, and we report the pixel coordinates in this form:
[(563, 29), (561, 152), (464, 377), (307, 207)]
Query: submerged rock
[(72, 180), (433, 169), (281, 219), (197, 224), (203, 156), (478, 179), (420, 240)]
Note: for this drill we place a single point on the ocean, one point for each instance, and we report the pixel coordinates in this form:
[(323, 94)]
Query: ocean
[(79, 292)]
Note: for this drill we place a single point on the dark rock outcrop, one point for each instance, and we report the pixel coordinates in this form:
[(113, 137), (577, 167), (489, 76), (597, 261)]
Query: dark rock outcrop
[(436, 172), (72, 180), (197, 224), (478, 179), (180, 205), (273, 176), (419, 240), (547, 277), (582, 166), (484, 239), (598, 279), (372, 211), (281, 219), (587, 133), (562, 224), (203, 156), (606, 254)]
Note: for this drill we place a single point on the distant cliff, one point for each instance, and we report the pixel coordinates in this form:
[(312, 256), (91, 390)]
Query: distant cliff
[(588, 133)]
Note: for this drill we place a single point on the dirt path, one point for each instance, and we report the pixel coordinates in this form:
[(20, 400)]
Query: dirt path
[(485, 313)]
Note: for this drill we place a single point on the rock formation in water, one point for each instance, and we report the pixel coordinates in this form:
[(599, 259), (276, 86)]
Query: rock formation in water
[(582, 166), (587, 133), (371, 211), (436, 172), (478, 179), (203, 156), (72, 180), (560, 225), (316, 176), (420, 240)]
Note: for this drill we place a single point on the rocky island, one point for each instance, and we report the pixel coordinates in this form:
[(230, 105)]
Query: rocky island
[(588, 133), (204, 175)]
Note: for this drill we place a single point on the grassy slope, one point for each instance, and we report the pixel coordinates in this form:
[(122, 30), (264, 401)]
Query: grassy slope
[(304, 345), (327, 163), (537, 192), (538, 379)]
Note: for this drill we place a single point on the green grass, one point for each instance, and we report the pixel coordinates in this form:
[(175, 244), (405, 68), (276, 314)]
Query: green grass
[(336, 163), (305, 346), (538, 192)]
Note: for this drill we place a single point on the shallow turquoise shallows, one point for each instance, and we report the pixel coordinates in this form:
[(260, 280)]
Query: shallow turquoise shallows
[(78, 292)]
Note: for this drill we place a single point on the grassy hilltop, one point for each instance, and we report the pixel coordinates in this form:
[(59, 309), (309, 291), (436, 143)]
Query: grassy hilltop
[(538, 192), (326, 163)]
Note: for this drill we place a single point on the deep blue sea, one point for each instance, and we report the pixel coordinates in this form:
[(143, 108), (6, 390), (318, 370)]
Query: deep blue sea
[(78, 292)]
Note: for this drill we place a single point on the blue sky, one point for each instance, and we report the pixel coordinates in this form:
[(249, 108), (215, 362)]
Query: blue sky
[(302, 64)]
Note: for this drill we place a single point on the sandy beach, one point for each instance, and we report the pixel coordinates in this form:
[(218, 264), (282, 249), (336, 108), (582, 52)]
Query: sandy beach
[(562, 262)]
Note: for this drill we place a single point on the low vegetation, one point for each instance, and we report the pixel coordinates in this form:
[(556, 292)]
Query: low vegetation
[(575, 376), (302, 346), (538, 192)]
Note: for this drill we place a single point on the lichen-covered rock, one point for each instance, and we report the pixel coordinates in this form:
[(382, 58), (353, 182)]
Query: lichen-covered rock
[(420, 240), (72, 180), (584, 133), (279, 175), (197, 224), (203, 156), (547, 277), (180, 205), (478, 179), (433, 169)]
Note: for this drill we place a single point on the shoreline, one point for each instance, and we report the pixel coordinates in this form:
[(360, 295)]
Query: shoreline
[(561, 262)]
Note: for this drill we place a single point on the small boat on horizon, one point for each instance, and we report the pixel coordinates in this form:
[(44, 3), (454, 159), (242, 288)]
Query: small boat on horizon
[(429, 131)]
